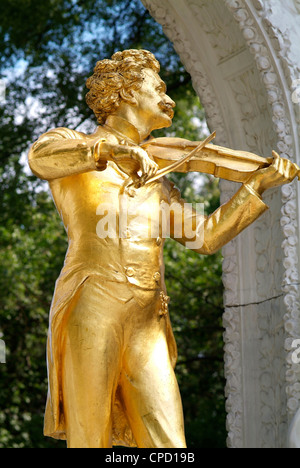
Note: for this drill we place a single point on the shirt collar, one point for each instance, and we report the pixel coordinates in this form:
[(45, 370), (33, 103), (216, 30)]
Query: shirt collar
[(123, 129)]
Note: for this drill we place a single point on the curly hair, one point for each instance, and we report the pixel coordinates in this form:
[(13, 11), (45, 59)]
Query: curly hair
[(115, 81)]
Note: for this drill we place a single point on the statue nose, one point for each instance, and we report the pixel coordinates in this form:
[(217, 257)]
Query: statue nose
[(170, 102)]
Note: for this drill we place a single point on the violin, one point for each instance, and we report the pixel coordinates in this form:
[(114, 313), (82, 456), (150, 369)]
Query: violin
[(180, 155)]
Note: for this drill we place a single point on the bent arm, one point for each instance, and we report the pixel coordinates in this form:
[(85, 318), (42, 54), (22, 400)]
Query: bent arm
[(61, 153), (207, 234)]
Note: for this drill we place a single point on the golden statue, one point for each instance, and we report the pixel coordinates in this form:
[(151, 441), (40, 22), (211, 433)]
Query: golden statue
[(111, 352)]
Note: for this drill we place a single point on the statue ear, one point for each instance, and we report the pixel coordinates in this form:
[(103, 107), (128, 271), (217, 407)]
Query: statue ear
[(128, 96)]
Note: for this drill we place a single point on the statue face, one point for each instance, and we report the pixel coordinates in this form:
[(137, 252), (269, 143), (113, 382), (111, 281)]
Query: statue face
[(153, 104)]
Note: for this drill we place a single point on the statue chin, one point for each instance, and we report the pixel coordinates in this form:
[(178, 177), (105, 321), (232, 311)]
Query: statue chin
[(294, 432)]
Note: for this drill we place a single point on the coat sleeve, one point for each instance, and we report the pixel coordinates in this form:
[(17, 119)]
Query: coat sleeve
[(207, 234), (60, 153)]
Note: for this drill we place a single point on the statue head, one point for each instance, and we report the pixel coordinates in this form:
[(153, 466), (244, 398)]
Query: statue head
[(117, 80)]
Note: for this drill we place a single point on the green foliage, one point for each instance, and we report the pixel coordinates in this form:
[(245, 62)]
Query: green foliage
[(30, 257), (47, 50)]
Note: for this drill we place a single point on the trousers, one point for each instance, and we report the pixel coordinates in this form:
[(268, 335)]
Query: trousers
[(115, 349)]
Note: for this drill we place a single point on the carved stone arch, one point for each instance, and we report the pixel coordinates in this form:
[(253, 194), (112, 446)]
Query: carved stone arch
[(244, 58)]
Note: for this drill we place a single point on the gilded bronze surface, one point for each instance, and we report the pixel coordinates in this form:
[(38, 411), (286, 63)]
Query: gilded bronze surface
[(111, 351)]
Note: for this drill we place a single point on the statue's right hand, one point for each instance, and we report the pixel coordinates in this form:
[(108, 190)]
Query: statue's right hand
[(147, 166), (124, 155)]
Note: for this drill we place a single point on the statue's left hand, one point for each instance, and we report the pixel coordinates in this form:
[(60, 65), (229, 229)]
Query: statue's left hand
[(280, 172)]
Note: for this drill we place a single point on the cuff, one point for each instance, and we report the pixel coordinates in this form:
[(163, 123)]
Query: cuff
[(250, 197), (100, 163), (252, 191)]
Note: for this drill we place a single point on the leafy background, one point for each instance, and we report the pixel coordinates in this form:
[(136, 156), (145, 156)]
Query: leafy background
[(47, 51)]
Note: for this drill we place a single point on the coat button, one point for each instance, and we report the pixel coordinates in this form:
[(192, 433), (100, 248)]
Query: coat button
[(157, 277), (129, 271), (131, 192)]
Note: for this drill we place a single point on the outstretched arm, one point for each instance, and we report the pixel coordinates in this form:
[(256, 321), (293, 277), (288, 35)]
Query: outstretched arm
[(207, 234)]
